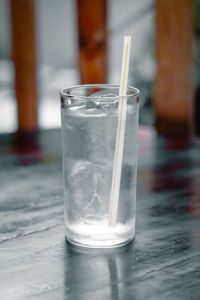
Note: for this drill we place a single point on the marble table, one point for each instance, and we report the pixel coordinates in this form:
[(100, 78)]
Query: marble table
[(163, 262)]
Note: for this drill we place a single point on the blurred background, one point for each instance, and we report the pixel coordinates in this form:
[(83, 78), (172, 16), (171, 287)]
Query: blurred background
[(46, 45)]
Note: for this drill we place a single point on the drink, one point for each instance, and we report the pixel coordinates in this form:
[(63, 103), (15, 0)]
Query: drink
[(89, 137)]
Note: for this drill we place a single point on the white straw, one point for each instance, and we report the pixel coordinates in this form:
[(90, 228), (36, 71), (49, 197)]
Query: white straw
[(119, 146)]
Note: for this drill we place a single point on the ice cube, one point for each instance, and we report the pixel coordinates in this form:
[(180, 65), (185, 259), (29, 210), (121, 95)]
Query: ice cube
[(95, 210), (92, 105), (104, 100), (88, 188), (82, 184)]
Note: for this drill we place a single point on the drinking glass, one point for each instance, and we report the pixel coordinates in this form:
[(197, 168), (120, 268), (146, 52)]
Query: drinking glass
[(89, 120)]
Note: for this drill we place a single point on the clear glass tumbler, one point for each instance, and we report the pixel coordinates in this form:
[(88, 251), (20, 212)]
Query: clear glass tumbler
[(89, 116)]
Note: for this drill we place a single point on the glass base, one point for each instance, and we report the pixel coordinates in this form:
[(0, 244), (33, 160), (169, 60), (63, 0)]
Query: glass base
[(100, 241)]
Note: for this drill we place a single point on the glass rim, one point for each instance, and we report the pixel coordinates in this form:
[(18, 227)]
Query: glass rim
[(134, 92)]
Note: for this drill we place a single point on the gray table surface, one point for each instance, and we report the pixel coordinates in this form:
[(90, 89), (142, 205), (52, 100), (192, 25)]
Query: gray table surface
[(163, 262)]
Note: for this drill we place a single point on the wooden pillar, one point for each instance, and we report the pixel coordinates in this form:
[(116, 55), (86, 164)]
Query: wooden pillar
[(173, 92), (92, 38), (24, 59)]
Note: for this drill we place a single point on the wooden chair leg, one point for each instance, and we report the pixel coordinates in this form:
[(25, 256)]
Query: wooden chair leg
[(92, 37), (24, 59), (173, 93)]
